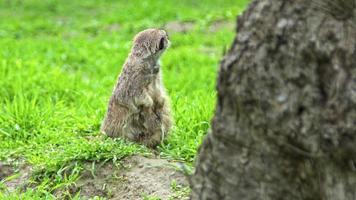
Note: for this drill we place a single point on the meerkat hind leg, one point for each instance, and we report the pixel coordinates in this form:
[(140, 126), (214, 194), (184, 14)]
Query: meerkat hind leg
[(153, 140)]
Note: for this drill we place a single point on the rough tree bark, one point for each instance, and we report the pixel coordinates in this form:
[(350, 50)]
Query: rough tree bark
[(285, 119)]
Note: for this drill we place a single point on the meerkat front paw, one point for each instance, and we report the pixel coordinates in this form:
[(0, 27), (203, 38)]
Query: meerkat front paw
[(160, 101), (145, 100), (134, 109)]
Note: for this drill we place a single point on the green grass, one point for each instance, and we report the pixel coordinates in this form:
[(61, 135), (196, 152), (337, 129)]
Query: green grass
[(59, 61)]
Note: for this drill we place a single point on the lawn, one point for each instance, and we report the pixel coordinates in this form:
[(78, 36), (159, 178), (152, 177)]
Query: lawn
[(59, 60)]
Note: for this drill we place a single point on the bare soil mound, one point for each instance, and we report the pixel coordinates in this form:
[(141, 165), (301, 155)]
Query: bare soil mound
[(137, 178), (14, 176)]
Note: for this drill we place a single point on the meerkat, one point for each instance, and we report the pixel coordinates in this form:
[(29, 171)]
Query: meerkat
[(139, 109)]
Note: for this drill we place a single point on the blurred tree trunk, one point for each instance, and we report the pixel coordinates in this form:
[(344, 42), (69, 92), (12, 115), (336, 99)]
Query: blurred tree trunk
[(285, 119)]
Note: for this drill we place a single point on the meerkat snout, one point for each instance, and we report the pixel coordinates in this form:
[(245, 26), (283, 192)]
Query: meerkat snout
[(139, 109)]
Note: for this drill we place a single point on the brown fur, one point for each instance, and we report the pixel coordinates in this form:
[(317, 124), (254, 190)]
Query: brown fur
[(138, 108)]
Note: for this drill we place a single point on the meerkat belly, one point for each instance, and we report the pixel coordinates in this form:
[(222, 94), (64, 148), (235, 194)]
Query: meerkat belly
[(154, 91)]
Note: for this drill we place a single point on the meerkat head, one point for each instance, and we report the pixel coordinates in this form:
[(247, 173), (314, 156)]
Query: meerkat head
[(150, 44)]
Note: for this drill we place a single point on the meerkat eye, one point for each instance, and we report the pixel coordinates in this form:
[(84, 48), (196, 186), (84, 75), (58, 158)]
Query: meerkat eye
[(161, 44)]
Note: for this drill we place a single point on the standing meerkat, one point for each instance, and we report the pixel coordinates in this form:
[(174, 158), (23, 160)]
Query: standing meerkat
[(138, 109)]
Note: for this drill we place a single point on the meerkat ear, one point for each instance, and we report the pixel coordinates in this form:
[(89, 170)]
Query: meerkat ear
[(161, 44)]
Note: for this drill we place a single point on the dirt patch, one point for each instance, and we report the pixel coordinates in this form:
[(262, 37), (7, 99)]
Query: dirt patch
[(178, 27), (14, 176), (221, 24), (113, 27), (5, 170), (136, 178)]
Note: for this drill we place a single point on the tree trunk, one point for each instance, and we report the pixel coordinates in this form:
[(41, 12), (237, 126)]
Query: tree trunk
[(285, 119)]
